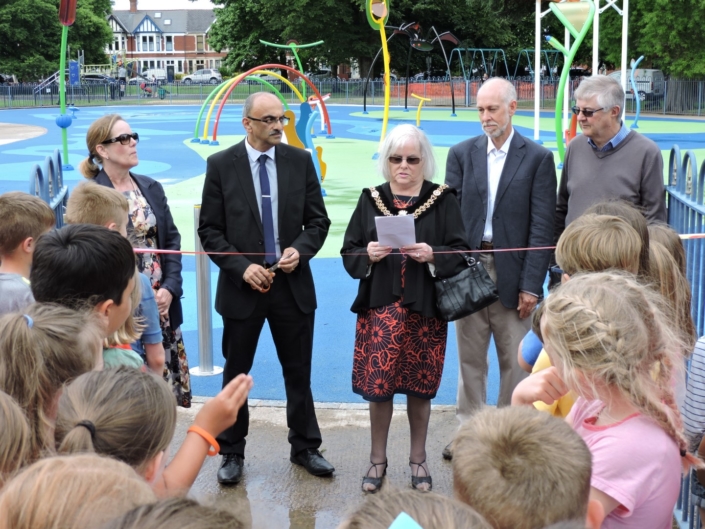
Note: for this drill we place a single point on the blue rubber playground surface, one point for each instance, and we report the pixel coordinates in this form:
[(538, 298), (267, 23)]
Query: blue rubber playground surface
[(167, 155)]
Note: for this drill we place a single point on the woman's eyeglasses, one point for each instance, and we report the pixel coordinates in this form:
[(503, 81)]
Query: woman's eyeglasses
[(123, 139), (586, 112), (411, 160), (270, 120)]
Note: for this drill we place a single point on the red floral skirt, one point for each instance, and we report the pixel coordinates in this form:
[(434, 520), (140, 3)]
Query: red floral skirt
[(398, 351)]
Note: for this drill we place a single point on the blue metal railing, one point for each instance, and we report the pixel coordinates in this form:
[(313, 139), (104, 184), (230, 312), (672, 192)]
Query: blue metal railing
[(686, 213), (48, 184)]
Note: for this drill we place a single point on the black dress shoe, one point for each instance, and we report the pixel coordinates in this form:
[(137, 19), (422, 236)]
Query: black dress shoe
[(230, 471), (312, 460)]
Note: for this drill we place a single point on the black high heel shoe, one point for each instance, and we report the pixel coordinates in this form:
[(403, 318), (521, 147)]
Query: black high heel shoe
[(376, 481), (417, 481)]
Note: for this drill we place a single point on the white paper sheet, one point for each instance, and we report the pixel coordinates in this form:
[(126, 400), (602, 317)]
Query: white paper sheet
[(396, 231)]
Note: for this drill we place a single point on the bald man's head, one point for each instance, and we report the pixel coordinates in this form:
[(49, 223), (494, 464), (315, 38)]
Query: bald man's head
[(262, 117), (500, 86)]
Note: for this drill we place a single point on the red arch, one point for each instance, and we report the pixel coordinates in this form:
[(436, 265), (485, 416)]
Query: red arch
[(262, 67)]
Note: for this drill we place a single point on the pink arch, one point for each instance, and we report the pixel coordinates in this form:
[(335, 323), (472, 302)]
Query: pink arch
[(262, 67)]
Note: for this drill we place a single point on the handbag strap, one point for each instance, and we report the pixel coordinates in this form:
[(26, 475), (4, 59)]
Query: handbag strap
[(471, 261)]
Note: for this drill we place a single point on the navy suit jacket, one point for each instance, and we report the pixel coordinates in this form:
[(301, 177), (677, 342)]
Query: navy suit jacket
[(524, 209), (230, 222), (168, 238)]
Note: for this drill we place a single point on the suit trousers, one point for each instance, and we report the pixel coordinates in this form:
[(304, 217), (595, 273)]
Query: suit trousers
[(292, 332), (473, 334)]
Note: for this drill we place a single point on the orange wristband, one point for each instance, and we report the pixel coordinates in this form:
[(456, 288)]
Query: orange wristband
[(214, 448)]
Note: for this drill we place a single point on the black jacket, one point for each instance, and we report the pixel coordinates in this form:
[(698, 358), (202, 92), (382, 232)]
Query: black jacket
[(168, 238), (441, 227), (524, 209), (231, 222)]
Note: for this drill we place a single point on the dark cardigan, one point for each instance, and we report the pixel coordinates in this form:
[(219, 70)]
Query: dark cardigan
[(168, 238), (441, 227)]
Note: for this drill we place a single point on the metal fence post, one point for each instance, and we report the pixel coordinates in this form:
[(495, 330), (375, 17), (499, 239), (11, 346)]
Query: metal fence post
[(203, 303)]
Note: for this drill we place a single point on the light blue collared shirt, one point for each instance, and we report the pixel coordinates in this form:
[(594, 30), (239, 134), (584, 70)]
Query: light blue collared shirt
[(253, 154), (612, 144)]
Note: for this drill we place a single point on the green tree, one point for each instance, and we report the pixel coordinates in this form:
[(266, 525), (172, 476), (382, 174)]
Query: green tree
[(30, 35), (240, 25)]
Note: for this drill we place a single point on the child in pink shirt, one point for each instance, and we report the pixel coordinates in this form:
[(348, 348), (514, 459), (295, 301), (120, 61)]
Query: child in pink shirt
[(614, 348)]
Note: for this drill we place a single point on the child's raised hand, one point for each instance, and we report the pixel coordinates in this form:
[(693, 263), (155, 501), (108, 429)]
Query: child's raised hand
[(220, 412), (545, 386)]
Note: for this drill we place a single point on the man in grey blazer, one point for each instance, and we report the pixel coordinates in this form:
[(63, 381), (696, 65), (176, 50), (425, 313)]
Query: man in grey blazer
[(506, 186)]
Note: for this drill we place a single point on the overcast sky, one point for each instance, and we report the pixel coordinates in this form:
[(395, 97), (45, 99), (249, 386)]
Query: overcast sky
[(124, 5)]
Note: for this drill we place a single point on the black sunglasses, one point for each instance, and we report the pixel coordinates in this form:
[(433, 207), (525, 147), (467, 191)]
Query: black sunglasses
[(411, 160), (269, 120), (587, 113), (123, 139)]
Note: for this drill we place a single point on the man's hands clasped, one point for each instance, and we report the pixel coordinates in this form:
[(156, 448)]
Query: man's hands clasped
[(261, 278)]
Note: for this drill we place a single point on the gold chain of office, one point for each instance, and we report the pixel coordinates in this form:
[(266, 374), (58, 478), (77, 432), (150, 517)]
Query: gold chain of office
[(418, 212)]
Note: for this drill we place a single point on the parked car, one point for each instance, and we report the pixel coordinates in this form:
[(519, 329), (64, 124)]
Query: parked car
[(650, 83), (319, 74), (204, 76), (98, 78), (155, 75)]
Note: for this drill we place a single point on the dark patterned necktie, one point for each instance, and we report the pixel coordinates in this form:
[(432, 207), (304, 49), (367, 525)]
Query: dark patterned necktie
[(267, 219)]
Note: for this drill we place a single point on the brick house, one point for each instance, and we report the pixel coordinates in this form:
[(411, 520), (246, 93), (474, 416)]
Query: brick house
[(157, 39)]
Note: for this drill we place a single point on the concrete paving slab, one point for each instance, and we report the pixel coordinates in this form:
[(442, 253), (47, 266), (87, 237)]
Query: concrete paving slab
[(278, 494), (11, 132)]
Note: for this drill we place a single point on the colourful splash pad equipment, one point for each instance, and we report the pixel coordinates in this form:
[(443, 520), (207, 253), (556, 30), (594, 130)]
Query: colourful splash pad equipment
[(227, 87), (577, 18), (377, 15)]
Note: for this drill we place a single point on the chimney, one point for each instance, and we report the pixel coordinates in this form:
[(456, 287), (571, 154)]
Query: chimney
[(133, 6)]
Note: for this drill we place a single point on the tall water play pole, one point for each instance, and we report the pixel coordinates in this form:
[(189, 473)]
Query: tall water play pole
[(67, 16)]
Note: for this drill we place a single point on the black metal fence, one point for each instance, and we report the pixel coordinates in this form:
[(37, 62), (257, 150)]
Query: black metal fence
[(678, 97)]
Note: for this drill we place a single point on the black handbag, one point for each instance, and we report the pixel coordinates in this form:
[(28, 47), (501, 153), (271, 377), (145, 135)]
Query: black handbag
[(466, 292)]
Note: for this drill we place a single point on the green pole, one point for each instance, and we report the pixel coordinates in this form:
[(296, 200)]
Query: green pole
[(569, 58), (293, 47), (62, 90), (301, 69)]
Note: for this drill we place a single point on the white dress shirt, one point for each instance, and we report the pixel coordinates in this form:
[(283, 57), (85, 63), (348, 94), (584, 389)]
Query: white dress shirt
[(253, 154), (495, 166)]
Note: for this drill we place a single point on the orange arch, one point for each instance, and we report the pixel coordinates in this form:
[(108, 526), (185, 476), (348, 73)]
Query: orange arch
[(326, 118)]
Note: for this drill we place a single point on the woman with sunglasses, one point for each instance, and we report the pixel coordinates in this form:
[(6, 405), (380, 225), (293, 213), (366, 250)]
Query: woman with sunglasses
[(112, 153), (400, 339)]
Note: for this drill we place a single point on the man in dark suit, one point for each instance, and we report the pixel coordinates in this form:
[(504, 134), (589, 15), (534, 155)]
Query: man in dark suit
[(262, 199), (506, 186)]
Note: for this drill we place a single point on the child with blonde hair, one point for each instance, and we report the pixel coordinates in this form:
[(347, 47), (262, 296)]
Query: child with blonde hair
[(14, 438), (40, 351), (23, 218), (604, 333), (117, 350), (91, 203), (662, 233), (408, 509), (183, 513), (523, 469), (591, 243), (71, 492), (667, 278), (131, 416)]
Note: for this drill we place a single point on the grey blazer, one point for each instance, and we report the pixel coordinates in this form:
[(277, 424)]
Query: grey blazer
[(523, 215)]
